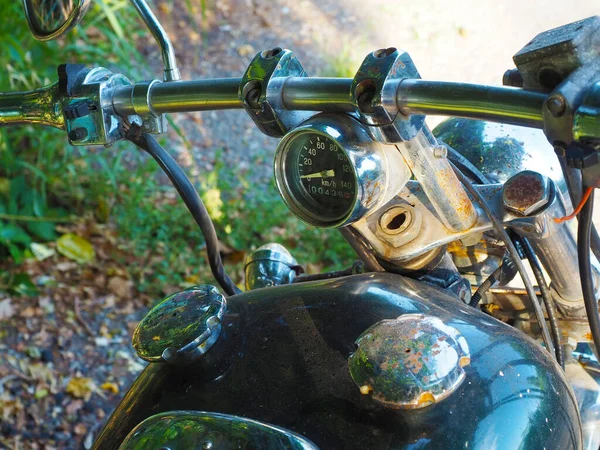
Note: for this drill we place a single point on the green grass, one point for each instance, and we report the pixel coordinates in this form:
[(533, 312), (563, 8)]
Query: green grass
[(42, 177)]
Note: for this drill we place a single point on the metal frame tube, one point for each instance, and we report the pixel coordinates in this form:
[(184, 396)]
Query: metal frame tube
[(42, 106), (183, 96), (318, 94), (413, 96), (499, 104), (493, 103), (162, 39)]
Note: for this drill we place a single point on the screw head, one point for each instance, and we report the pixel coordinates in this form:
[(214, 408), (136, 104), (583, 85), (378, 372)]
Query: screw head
[(440, 152), (526, 193), (78, 134), (253, 96), (556, 105)]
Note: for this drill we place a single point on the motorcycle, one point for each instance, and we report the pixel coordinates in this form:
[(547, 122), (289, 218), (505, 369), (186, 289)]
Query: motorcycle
[(430, 340)]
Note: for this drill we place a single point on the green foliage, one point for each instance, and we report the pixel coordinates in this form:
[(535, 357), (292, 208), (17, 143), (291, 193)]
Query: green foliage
[(44, 181), (39, 176), (252, 215), (342, 64)]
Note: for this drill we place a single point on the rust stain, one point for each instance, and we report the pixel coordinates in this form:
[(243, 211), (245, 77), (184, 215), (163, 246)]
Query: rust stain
[(524, 192)]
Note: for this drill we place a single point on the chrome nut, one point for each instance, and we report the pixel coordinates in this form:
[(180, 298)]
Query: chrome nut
[(526, 193)]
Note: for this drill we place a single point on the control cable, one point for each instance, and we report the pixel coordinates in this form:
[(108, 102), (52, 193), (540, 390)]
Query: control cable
[(191, 199), (539, 314), (584, 229), (485, 286), (573, 179), (546, 298)]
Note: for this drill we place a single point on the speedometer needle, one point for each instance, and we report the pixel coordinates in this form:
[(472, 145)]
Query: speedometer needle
[(323, 174)]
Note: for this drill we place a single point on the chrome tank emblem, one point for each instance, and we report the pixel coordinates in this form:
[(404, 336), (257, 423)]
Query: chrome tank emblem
[(410, 362), (182, 327), (179, 430)]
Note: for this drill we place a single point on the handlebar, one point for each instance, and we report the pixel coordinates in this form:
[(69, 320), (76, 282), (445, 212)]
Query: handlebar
[(413, 96), (492, 103), (41, 106)]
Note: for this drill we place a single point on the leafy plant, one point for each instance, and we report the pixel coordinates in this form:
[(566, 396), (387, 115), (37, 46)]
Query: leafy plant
[(39, 177), (44, 181)]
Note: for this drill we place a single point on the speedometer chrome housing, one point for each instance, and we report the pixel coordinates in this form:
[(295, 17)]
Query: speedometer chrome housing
[(331, 173)]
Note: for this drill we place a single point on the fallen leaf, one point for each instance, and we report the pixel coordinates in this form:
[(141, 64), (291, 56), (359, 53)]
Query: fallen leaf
[(65, 266), (41, 393), (80, 387), (30, 311), (76, 248), (6, 309), (41, 251), (80, 429), (74, 406), (101, 342), (111, 387), (120, 287), (245, 50)]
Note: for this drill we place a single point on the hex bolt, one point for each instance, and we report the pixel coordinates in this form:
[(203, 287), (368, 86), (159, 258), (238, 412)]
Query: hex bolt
[(512, 77), (398, 225), (78, 134), (268, 54), (364, 101), (526, 193), (395, 220), (384, 52), (556, 105), (251, 93), (440, 151)]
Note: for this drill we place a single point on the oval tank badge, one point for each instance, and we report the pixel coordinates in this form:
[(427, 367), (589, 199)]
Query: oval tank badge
[(410, 362), (182, 327)]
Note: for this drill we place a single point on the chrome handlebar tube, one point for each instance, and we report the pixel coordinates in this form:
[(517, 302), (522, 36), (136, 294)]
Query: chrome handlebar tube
[(42, 106), (413, 96)]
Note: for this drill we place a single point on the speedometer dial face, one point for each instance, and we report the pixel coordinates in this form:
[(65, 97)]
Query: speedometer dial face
[(320, 177)]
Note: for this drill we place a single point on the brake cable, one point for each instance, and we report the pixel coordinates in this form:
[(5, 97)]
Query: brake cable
[(584, 229), (539, 314), (191, 199)]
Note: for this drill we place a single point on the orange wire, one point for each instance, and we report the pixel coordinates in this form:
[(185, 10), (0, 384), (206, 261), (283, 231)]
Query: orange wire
[(584, 199)]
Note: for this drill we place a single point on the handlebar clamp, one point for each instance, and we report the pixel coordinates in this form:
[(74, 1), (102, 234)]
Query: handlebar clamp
[(260, 91), (373, 94)]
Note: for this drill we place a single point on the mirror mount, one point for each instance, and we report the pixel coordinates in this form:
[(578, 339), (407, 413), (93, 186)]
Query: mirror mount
[(54, 24), (167, 50)]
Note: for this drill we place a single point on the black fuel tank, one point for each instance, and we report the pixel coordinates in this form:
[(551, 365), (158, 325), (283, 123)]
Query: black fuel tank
[(282, 358)]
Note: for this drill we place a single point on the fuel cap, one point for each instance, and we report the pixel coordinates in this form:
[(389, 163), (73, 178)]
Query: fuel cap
[(410, 362), (182, 327)]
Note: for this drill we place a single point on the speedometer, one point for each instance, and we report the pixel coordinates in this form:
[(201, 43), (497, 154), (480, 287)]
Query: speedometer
[(322, 172), (330, 172)]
